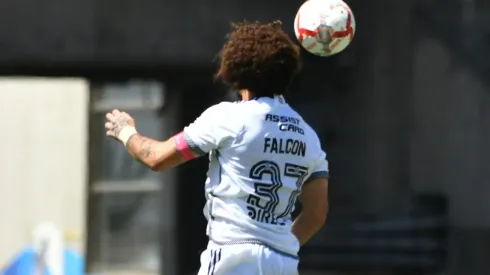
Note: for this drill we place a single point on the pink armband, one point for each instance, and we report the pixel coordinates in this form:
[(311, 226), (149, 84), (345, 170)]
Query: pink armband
[(182, 146)]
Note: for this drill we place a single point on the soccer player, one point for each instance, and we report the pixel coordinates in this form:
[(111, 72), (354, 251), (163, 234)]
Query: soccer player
[(263, 156)]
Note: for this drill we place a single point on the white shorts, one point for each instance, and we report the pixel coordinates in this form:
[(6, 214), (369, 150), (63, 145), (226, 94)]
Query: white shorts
[(246, 259)]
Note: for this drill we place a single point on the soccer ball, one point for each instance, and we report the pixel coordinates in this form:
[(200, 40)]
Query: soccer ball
[(324, 27)]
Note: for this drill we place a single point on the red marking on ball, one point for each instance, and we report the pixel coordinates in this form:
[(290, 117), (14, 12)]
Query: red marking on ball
[(348, 31)]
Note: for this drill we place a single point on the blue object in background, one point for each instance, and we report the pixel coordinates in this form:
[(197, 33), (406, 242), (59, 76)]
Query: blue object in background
[(25, 263)]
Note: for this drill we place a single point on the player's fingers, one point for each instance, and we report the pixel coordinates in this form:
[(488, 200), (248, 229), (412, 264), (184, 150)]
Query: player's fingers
[(126, 115), (109, 116), (108, 126), (115, 112), (110, 133)]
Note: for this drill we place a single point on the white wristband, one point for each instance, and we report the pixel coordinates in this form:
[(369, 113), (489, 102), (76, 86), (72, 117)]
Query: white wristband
[(126, 133)]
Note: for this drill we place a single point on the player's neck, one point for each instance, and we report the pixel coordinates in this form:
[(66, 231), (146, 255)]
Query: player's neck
[(246, 95)]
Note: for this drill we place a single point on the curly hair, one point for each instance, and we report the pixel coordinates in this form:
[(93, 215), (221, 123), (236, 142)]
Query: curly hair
[(259, 57)]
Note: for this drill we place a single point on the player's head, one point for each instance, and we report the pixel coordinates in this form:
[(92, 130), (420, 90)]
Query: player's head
[(260, 58)]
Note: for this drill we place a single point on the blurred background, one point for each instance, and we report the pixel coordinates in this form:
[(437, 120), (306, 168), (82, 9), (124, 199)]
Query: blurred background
[(403, 113)]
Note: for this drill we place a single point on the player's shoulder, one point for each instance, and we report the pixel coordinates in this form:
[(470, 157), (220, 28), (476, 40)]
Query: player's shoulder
[(309, 131), (225, 114), (222, 110), (218, 108), (292, 112), (233, 110)]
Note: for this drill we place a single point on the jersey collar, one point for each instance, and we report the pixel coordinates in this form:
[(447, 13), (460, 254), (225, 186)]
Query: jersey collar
[(277, 99)]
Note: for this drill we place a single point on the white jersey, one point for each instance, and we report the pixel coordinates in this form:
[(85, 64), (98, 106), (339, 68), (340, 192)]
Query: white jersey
[(261, 153)]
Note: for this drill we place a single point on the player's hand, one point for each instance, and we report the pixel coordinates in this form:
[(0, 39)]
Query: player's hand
[(119, 125)]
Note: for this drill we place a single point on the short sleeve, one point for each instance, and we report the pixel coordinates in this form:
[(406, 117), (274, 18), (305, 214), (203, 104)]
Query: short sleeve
[(320, 169), (210, 131)]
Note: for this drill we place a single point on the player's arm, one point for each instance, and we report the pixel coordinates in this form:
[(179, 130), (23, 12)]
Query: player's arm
[(160, 155), (157, 155), (208, 132), (314, 200)]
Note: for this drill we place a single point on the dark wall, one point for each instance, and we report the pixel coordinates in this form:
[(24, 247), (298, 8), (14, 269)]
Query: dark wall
[(192, 239), (125, 32), (359, 102)]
